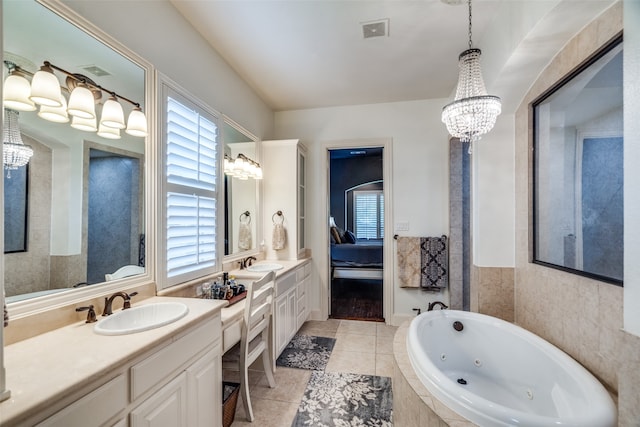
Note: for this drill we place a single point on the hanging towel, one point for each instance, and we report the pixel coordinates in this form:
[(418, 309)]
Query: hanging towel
[(279, 236), (423, 262), (435, 263), (6, 316), (409, 271), (244, 236)]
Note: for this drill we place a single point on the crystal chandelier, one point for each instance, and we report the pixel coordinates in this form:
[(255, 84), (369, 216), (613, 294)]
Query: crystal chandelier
[(473, 113), (14, 153)]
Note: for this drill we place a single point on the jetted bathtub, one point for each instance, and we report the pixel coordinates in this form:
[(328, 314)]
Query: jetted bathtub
[(495, 373)]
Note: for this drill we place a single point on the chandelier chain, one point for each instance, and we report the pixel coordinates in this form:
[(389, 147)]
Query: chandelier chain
[(470, 16)]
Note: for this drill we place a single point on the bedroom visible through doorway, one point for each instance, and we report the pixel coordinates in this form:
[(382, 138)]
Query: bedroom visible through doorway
[(356, 227)]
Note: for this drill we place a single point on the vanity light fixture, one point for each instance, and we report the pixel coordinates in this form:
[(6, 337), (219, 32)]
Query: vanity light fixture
[(242, 167), (15, 153), (473, 113), (45, 91)]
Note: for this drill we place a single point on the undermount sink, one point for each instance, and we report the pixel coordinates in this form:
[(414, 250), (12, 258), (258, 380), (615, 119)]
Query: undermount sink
[(264, 267), (141, 318)]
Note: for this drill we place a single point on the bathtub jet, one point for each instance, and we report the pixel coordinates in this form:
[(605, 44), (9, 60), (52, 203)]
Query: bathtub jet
[(495, 373)]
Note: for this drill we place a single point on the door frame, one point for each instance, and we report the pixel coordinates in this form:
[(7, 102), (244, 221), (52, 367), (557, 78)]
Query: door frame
[(324, 262)]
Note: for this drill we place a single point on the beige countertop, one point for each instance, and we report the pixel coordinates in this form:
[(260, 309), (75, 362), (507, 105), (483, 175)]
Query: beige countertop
[(287, 266), (41, 369)]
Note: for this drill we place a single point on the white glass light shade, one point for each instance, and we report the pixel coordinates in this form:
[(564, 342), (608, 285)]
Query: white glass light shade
[(55, 114), (16, 92), (87, 125), (45, 88), (473, 113), (258, 173), (137, 123), (107, 132), (82, 103), (112, 114)]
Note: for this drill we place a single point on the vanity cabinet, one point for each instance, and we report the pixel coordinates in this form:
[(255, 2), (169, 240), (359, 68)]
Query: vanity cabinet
[(291, 307), (175, 384), (284, 190)]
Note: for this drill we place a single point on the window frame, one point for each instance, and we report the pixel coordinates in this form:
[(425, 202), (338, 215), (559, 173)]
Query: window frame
[(379, 213), (168, 88)]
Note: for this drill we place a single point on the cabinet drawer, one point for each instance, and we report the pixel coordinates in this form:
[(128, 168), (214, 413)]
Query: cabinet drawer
[(163, 363), (96, 408), (231, 335), (284, 283)]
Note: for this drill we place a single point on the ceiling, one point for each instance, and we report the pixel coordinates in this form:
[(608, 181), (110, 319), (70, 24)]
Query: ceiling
[(299, 54)]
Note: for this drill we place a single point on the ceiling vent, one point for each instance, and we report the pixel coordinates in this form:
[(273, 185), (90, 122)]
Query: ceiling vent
[(95, 70), (379, 28)]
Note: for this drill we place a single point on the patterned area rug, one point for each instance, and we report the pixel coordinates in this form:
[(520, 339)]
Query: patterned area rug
[(307, 352), (338, 399)]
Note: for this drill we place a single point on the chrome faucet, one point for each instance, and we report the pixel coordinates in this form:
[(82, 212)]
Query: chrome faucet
[(246, 262), (433, 305), (108, 302)]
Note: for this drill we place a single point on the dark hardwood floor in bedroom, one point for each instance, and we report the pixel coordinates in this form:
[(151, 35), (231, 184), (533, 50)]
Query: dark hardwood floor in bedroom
[(357, 299)]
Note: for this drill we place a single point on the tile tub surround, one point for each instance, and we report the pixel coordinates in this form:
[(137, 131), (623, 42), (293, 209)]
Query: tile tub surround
[(492, 291), (413, 405), (581, 316)]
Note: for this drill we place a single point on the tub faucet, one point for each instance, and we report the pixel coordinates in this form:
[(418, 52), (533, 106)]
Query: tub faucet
[(108, 302), (433, 305), (246, 262)]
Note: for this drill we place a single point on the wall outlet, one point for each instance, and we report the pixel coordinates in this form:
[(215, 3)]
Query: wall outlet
[(402, 226)]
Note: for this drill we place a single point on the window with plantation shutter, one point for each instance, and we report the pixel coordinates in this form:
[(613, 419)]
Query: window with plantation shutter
[(368, 207), (190, 161)]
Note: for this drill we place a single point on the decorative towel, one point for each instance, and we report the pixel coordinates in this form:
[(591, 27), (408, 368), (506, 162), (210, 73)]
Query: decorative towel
[(279, 237), (6, 316), (435, 263), (409, 262), (423, 262), (244, 236)]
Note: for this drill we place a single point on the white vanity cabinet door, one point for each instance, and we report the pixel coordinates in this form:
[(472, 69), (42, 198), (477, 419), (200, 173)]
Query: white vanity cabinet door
[(279, 320), (205, 390), (165, 408), (96, 408)]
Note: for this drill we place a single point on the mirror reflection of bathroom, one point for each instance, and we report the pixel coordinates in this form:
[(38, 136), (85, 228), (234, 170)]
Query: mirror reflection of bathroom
[(579, 188), (240, 192), (58, 245), (115, 227)]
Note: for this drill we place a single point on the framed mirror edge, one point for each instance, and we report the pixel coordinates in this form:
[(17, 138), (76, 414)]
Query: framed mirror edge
[(237, 256), (36, 305)]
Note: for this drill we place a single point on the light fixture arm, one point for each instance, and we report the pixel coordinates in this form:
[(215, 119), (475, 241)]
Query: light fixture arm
[(90, 83)]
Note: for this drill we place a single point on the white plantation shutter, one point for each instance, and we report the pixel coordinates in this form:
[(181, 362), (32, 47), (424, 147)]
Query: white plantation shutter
[(368, 214), (191, 194)]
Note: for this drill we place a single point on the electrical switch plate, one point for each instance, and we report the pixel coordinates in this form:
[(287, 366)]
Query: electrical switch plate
[(402, 226)]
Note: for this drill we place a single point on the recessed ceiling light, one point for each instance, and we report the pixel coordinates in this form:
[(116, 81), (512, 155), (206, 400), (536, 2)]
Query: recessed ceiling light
[(95, 70)]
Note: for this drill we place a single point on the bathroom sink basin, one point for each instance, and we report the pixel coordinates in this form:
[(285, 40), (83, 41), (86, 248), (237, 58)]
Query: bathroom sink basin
[(264, 267), (141, 318)]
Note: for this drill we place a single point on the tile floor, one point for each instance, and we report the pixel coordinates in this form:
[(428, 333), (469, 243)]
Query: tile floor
[(361, 347)]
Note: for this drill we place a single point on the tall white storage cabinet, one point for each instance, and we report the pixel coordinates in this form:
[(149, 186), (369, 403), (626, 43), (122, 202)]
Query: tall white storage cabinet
[(284, 187)]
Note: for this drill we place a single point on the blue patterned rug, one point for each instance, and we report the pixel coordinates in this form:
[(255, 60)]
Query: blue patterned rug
[(339, 399), (307, 352)]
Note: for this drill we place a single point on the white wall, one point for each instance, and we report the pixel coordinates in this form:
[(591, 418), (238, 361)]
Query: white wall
[(631, 172), (420, 177), (156, 31), (493, 201)]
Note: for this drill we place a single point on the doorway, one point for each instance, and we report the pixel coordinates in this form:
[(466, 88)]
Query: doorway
[(356, 228)]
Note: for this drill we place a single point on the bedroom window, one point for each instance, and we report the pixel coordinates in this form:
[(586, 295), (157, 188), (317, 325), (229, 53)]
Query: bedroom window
[(368, 214), (190, 196)]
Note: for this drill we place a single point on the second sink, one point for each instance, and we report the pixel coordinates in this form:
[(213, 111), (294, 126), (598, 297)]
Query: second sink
[(264, 267), (141, 318)]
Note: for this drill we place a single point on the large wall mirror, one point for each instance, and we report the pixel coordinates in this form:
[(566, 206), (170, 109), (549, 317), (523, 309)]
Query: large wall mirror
[(578, 170), (85, 193), (242, 219)]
